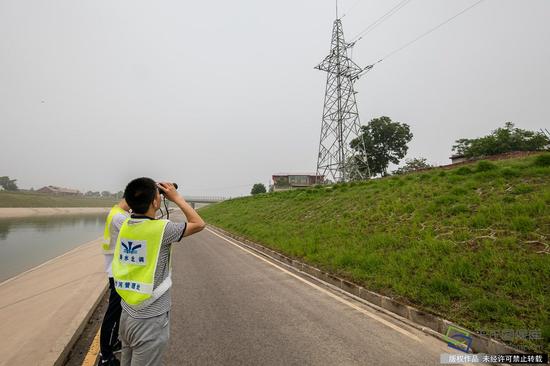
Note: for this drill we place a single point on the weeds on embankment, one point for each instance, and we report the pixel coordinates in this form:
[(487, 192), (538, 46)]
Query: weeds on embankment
[(470, 244)]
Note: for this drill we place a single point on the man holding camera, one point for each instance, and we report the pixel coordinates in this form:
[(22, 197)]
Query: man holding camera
[(142, 269)]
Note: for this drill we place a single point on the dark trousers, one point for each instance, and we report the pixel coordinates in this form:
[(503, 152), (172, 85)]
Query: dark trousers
[(111, 320)]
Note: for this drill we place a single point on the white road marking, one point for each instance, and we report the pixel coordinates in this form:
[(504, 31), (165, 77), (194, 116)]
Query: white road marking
[(337, 298)]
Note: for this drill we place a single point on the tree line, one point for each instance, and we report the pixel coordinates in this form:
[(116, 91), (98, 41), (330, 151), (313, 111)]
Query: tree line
[(386, 141), (8, 184)]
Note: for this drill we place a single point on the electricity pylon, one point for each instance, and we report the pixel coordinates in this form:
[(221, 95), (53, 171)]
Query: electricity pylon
[(337, 161)]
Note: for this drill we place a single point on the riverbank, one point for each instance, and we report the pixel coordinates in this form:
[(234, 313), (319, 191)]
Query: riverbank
[(43, 310), (33, 199), (20, 212)]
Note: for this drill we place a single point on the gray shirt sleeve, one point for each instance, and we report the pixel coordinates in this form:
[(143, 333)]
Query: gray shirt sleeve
[(173, 232), (116, 224)]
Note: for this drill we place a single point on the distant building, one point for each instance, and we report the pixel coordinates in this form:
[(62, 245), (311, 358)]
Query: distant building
[(59, 191), (457, 158), (285, 181)]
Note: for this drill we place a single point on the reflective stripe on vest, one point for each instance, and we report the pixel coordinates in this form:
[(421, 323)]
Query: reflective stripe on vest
[(135, 262), (106, 245)]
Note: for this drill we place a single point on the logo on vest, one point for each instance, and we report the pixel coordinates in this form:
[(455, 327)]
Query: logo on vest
[(133, 252)]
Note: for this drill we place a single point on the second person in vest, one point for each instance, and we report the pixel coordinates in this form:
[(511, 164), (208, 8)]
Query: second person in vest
[(108, 340), (142, 269)]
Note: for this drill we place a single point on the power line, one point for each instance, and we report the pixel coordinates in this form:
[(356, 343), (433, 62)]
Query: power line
[(430, 31), (380, 20), (350, 8), (422, 36)]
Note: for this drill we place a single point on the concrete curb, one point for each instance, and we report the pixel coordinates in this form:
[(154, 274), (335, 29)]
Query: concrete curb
[(421, 320), (63, 356)]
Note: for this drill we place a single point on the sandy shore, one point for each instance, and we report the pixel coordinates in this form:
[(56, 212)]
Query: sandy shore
[(9, 213)]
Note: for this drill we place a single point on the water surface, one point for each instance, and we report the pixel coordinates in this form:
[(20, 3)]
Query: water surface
[(28, 242)]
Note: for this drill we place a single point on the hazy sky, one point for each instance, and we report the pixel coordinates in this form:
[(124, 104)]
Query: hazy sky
[(217, 95)]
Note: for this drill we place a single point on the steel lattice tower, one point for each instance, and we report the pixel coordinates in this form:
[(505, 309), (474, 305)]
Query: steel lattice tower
[(340, 125)]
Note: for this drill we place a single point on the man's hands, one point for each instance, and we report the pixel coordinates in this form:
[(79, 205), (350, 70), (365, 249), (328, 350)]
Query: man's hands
[(194, 222), (169, 191)]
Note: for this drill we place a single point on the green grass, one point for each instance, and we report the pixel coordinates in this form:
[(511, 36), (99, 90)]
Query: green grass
[(467, 244), (27, 199)]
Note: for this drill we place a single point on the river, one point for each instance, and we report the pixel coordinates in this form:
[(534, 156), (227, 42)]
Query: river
[(28, 242)]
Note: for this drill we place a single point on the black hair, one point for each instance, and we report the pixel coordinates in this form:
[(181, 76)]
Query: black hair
[(140, 193)]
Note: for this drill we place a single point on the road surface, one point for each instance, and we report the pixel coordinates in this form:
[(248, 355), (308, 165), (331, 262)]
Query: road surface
[(231, 307)]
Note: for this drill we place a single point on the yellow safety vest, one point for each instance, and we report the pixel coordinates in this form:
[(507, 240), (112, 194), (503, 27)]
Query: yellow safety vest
[(135, 261), (107, 246)]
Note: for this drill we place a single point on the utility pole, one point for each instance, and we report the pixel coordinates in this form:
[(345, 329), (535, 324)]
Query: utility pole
[(340, 123)]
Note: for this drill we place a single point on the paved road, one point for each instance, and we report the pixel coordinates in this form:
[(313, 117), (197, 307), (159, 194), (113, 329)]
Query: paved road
[(230, 307)]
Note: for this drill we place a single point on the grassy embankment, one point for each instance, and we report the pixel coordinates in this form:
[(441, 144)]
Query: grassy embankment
[(28, 199), (469, 244)]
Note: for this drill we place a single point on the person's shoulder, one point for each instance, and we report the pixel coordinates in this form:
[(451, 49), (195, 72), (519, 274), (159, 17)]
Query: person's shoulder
[(119, 219), (173, 231), (122, 214)]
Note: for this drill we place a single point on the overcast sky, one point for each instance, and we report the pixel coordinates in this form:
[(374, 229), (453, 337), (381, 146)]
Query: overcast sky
[(217, 95)]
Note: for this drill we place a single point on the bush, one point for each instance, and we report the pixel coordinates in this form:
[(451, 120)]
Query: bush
[(258, 188), (503, 140)]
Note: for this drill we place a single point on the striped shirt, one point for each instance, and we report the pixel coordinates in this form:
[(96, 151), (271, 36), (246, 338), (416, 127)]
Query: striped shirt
[(173, 232)]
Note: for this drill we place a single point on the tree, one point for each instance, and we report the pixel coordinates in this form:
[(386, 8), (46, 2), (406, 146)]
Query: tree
[(106, 194), (385, 142), (412, 165), (8, 184), (258, 188), (502, 140)]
